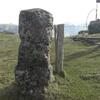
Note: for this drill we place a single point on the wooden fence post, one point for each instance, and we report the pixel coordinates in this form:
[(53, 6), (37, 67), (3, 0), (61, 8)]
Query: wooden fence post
[(59, 49)]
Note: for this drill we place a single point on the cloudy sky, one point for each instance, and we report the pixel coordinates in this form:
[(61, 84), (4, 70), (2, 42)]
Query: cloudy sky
[(64, 11)]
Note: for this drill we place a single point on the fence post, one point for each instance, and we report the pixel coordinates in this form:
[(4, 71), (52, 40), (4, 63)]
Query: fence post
[(59, 48)]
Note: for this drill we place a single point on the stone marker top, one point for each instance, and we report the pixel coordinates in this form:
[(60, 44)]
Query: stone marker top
[(35, 25), (36, 10)]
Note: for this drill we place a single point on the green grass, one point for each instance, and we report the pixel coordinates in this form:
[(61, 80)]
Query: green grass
[(81, 65)]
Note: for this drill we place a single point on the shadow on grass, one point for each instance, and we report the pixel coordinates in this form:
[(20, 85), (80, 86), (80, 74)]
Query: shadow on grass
[(91, 76), (12, 92), (81, 54), (97, 55), (9, 93)]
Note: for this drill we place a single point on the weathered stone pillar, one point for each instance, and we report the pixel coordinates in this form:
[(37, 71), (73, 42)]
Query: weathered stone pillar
[(33, 70)]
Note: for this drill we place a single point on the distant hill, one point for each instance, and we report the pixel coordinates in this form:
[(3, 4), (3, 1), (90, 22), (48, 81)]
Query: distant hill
[(70, 29), (9, 28)]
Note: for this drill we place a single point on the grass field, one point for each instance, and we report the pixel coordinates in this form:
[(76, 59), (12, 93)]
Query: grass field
[(81, 66)]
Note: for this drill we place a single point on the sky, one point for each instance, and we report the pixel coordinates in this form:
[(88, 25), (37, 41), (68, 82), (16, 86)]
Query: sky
[(64, 11)]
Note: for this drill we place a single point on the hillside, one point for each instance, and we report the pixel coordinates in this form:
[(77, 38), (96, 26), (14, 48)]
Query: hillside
[(81, 65), (71, 30), (9, 28)]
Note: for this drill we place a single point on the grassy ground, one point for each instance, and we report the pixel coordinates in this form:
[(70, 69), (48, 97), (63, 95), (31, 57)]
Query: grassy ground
[(81, 65)]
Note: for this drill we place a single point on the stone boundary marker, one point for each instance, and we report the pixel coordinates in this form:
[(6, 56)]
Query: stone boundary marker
[(33, 71)]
